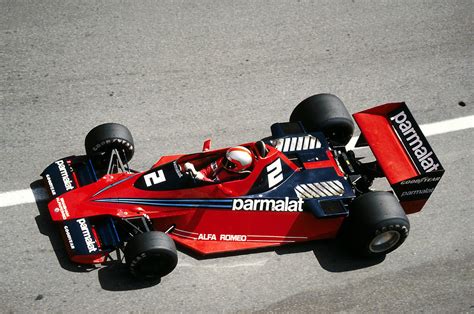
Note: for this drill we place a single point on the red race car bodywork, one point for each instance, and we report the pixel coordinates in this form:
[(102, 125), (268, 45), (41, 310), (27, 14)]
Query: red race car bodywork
[(300, 188)]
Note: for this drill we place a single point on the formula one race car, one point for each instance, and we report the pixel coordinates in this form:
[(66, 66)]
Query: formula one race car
[(302, 185)]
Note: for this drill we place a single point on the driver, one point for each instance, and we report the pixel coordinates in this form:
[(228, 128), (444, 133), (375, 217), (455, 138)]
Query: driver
[(236, 161)]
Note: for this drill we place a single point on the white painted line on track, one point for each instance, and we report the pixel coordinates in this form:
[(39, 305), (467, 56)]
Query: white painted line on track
[(26, 196), (448, 126)]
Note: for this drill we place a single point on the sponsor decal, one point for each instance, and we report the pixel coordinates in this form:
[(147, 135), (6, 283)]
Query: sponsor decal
[(222, 237), (68, 184), (421, 180), (418, 192), (418, 188), (412, 138), (62, 208), (278, 205), (233, 237), (176, 168), (207, 237), (51, 186), (154, 178), (127, 144), (91, 245), (69, 238)]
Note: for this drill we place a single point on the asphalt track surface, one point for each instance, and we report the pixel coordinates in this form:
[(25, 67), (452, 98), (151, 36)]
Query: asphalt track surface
[(178, 72)]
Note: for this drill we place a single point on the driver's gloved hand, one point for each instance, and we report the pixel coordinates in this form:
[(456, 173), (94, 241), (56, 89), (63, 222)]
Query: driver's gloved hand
[(189, 167)]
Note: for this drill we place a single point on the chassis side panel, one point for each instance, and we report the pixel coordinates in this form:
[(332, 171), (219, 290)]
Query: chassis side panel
[(211, 231)]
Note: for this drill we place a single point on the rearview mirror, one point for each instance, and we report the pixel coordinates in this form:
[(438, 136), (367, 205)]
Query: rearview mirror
[(207, 145)]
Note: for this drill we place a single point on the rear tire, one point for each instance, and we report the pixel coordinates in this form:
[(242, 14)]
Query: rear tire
[(104, 138), (325, 113), (151, 255), (376, 225)]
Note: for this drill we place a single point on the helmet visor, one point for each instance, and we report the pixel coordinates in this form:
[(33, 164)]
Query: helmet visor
[(229, 165)]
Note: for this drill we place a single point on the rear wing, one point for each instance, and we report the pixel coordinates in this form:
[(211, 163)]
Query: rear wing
[(402, 151)]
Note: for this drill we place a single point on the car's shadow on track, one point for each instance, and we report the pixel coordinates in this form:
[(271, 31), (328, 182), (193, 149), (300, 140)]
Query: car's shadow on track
[(114, 276), (47, 228), (332, 255)]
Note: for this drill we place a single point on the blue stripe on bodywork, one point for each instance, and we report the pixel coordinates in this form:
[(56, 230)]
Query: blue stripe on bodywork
[(197, 203), (91, 169), (112, 185)]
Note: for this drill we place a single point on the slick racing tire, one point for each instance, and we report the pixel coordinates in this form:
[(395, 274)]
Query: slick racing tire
[(151, 255), (325, 113), (106, 137), (376, 225)]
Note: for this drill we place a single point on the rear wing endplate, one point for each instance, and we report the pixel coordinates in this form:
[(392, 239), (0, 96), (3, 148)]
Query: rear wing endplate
[(402, 151)]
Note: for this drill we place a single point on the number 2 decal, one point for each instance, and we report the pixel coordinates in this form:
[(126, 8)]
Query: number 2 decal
[(275, 173), (154, 178)]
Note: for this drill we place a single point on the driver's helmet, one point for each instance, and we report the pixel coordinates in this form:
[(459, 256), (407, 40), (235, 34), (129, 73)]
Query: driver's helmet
[(237, 159)]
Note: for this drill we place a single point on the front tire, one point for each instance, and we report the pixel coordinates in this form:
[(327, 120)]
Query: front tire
[(376, 225), (105, 137), (325, 113), (151, 255)]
